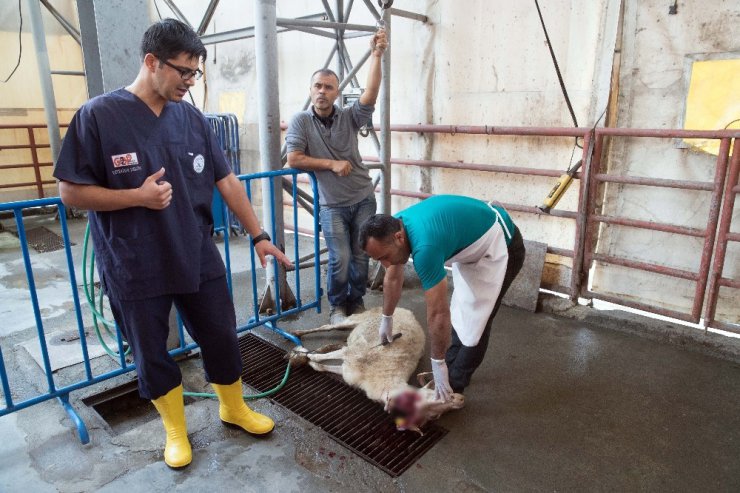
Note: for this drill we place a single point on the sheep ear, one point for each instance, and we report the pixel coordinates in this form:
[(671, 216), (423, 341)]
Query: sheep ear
[(416, 429), (424, 378)]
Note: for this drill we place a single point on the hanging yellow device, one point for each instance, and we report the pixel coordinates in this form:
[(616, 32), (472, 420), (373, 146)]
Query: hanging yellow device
[(559, 189)]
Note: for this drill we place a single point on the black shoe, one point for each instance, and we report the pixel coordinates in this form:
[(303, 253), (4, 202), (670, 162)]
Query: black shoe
[(356, 307)]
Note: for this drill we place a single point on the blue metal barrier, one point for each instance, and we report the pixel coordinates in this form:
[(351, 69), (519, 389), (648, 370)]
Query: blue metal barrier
[(226, 127), (61, 393)]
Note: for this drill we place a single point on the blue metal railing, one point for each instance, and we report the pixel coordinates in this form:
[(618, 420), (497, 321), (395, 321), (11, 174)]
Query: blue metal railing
[(61, 393), (226, 127)]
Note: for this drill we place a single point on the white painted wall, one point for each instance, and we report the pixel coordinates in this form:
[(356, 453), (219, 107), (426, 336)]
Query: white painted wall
[(656, 55)]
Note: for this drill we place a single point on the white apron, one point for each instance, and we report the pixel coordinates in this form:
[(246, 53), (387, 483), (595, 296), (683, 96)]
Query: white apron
[(478, 273)]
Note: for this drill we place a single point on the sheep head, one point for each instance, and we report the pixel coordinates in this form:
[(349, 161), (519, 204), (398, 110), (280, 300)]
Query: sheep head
[(413, 408)]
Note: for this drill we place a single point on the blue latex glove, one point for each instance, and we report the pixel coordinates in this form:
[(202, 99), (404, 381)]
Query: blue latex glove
[(442, 390), (385, 331)]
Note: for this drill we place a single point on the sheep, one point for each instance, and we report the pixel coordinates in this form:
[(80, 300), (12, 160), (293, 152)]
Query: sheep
[(381, 371)]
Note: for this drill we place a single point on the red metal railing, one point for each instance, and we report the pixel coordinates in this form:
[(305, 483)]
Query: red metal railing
[(723, 237), (582, 252), (35, 163), (700, 277)]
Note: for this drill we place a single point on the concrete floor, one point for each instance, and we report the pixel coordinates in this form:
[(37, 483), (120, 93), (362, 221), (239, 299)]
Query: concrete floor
[(559, 404)]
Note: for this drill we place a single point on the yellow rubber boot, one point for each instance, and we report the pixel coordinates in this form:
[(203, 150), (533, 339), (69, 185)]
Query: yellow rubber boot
[(233, 411), (177, 451)]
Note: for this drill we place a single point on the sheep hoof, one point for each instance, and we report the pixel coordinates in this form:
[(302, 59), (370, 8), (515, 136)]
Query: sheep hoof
[(297, 357)]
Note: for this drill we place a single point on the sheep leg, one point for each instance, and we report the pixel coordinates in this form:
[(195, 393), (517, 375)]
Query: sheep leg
[(327, 368), (315, 359), (324, 328), (300, 356), (319, 355)]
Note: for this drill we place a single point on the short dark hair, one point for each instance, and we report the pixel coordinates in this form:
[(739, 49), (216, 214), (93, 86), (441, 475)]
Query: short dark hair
[(380, 226), (169, 37), (325, 71)]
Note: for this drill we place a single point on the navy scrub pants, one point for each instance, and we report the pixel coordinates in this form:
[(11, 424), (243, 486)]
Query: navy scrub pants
[(208, 316), (463, 360)]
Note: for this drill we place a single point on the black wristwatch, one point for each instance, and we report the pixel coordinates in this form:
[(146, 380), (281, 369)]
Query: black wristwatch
[(262, 236)]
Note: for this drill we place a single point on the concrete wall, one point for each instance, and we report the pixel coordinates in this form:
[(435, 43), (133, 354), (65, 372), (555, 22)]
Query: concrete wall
[(21, 100), (657, 51), (465, 66)]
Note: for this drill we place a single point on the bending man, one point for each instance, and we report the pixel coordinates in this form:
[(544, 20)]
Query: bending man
[(485, 250), (148, 179), (323, 139)]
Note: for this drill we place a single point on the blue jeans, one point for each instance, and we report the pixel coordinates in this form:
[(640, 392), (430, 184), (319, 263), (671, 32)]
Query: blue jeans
[(348, 263)]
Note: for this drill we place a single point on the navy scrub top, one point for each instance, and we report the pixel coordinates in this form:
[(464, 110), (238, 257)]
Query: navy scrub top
[(115, 141)]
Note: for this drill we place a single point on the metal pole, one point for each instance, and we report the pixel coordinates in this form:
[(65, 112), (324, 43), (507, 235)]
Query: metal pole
[(207, 16), (266, 51), (63, 22), (342, 49), (178, 14), (267, 93), (722, 237), (47, 87), (385, 120)]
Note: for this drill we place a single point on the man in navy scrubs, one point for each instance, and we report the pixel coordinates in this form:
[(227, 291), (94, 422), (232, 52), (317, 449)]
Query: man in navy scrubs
[(145, 163)]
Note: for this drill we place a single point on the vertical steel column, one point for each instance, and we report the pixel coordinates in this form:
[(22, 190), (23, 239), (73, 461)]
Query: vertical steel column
[(340, 36), (111, 42), (268, 116), (266, 51), (47, 87), (90, 52), (590, 232), (385, 120), (584, 210)]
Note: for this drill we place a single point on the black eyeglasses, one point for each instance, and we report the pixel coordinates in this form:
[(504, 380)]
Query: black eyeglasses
[(185, 73)]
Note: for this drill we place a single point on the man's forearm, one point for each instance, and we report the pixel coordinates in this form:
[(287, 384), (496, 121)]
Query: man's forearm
[(372, 86), (392, 286), (300, 160), (236, 198), (438, 318), (439, 325), (97, 198), (379, 45)]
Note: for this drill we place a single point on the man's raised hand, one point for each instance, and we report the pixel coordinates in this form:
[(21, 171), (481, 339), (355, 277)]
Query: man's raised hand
[(379, 42)]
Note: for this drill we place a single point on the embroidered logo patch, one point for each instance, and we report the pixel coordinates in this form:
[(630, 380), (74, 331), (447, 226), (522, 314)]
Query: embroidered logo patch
[(199, 163), (128, 159)]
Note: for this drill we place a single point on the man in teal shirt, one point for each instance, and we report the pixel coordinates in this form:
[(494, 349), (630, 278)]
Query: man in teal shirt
[(485, 250)]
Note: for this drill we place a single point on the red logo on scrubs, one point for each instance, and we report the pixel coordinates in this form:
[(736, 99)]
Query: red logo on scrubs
[(128, 159)]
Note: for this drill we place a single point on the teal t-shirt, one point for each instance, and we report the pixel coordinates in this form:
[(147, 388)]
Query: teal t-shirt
[(443, 225)]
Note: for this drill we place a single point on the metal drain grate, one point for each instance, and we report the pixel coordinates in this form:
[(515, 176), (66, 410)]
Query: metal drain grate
[(345, 413), (44, 240)]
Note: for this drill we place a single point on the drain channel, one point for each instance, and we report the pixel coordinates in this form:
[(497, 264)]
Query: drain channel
[(345, 413), (44, 240), (122, 409)]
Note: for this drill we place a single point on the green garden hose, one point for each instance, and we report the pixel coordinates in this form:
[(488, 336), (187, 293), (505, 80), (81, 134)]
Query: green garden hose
[(89, 289)]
